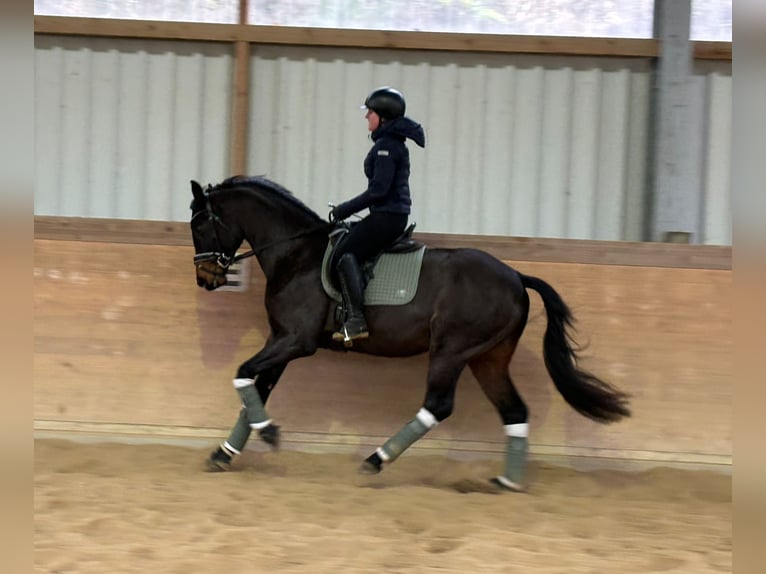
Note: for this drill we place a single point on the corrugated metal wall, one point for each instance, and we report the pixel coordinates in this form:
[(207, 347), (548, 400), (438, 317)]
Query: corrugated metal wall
[(712, 92), (121, 126), (517, 145)]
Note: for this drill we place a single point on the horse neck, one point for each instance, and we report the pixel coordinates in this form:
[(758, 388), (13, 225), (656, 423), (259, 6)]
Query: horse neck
[(271, 229), (281, 263)]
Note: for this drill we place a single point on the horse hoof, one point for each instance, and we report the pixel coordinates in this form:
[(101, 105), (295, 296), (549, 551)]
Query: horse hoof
[(505, 484), (373, 464), (218, 461), (271, 436), (217, 466), (369, 468)]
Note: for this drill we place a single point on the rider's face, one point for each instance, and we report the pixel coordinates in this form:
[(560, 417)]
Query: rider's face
[(373, 120)]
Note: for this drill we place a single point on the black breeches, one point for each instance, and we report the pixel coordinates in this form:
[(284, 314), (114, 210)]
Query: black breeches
[(370, 236)]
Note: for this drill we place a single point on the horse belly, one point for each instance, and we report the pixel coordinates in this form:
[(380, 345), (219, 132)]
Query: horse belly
[(396, 331)]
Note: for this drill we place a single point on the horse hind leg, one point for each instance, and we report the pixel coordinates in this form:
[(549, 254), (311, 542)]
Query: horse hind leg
[(437, 406), (491, 371)]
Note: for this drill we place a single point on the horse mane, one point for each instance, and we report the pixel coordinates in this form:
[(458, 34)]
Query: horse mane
[(259, 182)]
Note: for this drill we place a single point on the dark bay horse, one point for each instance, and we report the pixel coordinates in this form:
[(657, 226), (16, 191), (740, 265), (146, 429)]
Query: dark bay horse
[(470, 309)]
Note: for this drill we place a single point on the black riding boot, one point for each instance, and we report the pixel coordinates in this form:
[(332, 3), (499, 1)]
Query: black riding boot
[(352, 289)]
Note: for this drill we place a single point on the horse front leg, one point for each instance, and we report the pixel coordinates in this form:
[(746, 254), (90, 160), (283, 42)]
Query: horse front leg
[(220, 459), (255, 380)]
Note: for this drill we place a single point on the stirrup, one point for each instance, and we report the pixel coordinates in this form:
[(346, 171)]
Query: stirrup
[(348, 338)]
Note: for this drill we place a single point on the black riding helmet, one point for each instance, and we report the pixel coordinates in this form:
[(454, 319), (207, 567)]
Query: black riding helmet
[(387, 102)]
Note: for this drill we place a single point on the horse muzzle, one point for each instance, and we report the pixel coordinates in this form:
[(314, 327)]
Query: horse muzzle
[(210, 274)]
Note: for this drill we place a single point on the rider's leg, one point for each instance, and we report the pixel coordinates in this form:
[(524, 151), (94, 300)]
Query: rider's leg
[(352, 289), (365, 241)]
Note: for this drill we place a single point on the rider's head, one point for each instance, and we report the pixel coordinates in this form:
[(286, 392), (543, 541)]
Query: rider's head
[(387, 102)]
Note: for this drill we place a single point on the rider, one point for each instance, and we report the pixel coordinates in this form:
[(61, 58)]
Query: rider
[(387, 167)]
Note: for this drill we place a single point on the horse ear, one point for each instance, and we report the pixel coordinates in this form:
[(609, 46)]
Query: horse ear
[(197, 190)]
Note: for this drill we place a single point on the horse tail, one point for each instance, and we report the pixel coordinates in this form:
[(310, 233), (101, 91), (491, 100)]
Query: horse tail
[(586, 393)]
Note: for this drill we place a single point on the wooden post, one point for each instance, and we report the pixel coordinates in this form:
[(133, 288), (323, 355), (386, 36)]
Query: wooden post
[(240, 112)]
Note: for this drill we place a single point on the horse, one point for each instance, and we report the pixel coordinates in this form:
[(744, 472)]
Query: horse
[(470, 309)]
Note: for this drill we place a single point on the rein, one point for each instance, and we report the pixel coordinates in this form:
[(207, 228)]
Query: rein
[(308, 231), (225, 261)]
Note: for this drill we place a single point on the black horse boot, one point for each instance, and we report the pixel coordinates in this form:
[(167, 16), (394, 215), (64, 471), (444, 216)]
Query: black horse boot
[(352, 289)]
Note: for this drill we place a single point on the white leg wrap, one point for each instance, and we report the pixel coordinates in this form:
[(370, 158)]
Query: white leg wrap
[(520, 430), (425, 417), (241, 383), (382, 454), (260, 425), (509, 484), (229, 449)]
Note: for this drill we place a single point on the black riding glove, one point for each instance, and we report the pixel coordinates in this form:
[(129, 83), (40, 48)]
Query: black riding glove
[(340, 212)]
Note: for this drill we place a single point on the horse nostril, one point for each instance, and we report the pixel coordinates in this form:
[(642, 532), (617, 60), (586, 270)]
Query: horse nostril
[(200, 282)]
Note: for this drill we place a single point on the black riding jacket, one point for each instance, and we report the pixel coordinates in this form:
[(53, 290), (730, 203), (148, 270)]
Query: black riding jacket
[(387, 167)]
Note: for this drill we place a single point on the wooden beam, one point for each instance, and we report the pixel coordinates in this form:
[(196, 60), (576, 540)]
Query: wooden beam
[(504, 247), (143, 29), (240, 111), (712, 50), (350, 38), (587, 251), (99, 230)]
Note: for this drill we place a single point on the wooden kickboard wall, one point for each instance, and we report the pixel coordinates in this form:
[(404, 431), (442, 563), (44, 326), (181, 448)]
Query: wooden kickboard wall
[(124, 340)]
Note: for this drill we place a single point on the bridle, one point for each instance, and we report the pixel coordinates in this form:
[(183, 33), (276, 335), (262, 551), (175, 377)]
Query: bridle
[(225, 261)]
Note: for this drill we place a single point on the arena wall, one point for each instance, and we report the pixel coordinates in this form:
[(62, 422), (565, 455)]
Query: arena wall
[(536, 137), (126, 345)]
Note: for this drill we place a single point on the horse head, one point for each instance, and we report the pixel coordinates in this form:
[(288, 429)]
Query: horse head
[(215, 240)]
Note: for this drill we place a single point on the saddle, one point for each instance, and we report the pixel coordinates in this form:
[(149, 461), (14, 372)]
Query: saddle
[(391, 277)]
